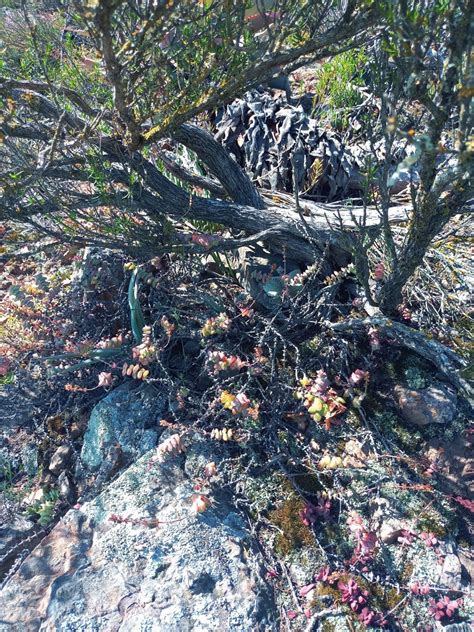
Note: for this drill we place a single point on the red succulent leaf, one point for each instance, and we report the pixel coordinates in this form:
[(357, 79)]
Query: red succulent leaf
[(305, 590)]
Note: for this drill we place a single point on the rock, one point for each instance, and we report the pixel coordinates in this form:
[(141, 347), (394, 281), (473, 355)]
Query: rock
[(466, 557), (260, 274), (390, 530), (29, 459), (455, 462), (191, 572), (435, 404), (451, 572), (356, 454), (65, 489), (36, 496), (468, 470), (14, 413), (13, 530), (387, 521), (371, 310), (78, 426), (60, 459), (121, 419), (448, 575), (202, 453)]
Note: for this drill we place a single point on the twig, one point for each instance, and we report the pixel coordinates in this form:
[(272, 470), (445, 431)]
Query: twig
[(292, 589)]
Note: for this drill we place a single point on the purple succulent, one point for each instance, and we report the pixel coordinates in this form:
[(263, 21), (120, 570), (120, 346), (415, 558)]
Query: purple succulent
[(310, 513), (353, 595), (419, 589), (323, 574), (358, 377), (370, 618), (367, 616), (406, 537), (429, 539), (321, 383), (305, 590), (444, 608)]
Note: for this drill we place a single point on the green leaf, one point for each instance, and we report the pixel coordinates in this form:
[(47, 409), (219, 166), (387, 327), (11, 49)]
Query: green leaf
[(137, 319)]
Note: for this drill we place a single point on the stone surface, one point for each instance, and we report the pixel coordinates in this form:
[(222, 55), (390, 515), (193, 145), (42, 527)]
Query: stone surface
[(451, 572), (455, 461), (65, 489), (60, 459), (193, 572), (387, 522), (37, 495), (128, 418), (13, 529), (435, 404), (392, 529), (466, 557), (17, 453), (99, 273), (448, 575)]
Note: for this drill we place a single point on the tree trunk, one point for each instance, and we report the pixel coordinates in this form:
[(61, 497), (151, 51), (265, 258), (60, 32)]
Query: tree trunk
[(428, 220)]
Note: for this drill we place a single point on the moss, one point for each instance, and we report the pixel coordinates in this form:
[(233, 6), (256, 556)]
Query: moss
[(415, 378), (411, 369), (385, 597), (463, 342), (290, 441), (433, 525), (391, 370), (407, 438), (382, 598), (293, 533), (353, 417), (407, 572), (336, 536), (456, 427), (324, 590), (313, 345), (389, 425)]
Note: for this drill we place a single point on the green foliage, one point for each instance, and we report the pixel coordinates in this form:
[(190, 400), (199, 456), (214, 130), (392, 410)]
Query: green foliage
[(43, 510), (9, 378), (137, 319), (336, 86), (7, 472)]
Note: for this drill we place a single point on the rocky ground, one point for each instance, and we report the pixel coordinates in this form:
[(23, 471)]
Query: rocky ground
[(236, 442), (264, 474)]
